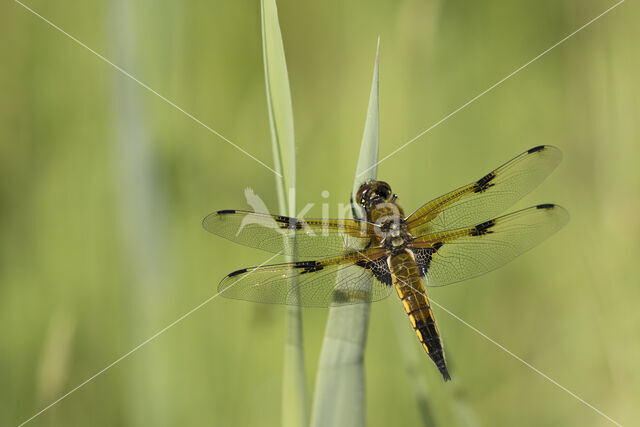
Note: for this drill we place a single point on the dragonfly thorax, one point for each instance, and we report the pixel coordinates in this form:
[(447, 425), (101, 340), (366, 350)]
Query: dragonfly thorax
[(392, 229), (394, 233)]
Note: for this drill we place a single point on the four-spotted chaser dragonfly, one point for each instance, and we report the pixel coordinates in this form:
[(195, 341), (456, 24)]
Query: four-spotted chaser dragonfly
[(451, 238)]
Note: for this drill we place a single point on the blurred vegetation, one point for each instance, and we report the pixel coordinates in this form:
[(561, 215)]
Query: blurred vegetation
[(103, 186)]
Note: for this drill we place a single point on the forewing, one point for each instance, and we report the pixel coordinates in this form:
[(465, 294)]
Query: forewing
[(487, 197), (313, 283), (313, 237), (456, 255)]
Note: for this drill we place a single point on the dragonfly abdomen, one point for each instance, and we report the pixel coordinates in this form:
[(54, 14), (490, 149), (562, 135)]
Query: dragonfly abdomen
[(406, 279)]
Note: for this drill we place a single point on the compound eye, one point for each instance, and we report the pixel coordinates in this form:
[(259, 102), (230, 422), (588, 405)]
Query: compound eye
[(385, 191)]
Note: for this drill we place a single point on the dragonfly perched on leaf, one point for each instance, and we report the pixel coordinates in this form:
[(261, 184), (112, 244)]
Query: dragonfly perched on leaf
[(454, 237)]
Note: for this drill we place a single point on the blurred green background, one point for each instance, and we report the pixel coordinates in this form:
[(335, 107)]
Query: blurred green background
[(103, 186)]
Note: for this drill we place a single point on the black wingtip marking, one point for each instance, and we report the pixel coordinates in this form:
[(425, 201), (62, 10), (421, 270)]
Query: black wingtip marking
[(238, 272), (484, 228), (226, 211), (534, 149), (546, 206)]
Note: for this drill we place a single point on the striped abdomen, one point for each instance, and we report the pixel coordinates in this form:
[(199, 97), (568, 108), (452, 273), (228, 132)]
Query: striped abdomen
[(406, 279)]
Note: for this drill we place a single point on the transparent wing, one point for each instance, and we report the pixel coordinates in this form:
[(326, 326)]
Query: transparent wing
[(489, 196), (456, 255), (313, 237), (312, 283)]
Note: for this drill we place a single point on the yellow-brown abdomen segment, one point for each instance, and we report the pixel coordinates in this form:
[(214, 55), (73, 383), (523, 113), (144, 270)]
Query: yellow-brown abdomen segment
[(406, 279)]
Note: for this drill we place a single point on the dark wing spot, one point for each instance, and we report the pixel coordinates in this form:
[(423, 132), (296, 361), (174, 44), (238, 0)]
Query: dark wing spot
[(534, 149), (237, 272), (484, 183), (484, 228), (226, 211), (379, 268), (304, 264), (423, 257), (546, 206), (308, 266), (290, 223)]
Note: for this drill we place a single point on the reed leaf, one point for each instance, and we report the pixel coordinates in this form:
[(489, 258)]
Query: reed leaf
[(339, 398), (294, 412)]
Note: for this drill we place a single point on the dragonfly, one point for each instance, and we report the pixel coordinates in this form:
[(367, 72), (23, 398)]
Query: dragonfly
[(457, 236)]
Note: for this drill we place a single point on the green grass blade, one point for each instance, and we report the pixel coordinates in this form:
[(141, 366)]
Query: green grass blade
[(339, 398), (279, 102), (368, 160), (294, 412)]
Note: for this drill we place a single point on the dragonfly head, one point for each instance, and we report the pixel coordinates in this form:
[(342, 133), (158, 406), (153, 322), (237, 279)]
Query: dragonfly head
[(373, 192)]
